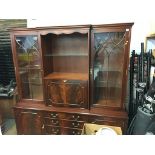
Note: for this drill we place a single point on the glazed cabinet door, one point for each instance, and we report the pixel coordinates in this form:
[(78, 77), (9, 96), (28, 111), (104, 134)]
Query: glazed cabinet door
[(110, 54), (28, 122), (27, 59), (68, 93)]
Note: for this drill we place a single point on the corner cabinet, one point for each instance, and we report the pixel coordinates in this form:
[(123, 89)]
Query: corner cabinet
[(70, 75)]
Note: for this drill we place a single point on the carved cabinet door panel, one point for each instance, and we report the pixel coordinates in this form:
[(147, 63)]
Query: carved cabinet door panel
[(69, 93), (28, 123), (55, 92)]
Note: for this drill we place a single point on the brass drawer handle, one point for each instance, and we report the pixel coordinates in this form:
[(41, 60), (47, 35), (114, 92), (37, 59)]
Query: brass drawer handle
[(54, 115), (55, 122), (76, 133), (55, 131), (76, 118), (76, 125)]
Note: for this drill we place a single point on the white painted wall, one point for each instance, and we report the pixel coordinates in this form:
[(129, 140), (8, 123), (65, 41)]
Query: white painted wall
[(78, 12)]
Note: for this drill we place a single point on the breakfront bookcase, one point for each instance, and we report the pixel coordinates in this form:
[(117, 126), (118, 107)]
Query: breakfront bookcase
[(70, 75)]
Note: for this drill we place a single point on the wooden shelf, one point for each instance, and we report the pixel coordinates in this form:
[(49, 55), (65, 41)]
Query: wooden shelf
[(28, 67), (106, 69), (107, 84), (108, 102), (66, 54), (68, 76), (34, 83)]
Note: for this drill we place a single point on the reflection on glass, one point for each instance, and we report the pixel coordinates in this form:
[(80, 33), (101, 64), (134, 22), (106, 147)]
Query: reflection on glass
[(29, 67), (108, 66), (28, 53)]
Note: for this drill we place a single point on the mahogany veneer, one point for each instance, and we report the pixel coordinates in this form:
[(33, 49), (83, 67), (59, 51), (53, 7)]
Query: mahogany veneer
[(70, 75)]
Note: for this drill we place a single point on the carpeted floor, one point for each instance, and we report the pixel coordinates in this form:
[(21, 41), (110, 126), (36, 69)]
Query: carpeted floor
[(9, 127)]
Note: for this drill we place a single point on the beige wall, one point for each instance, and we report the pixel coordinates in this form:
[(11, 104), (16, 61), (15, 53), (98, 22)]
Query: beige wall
[(100, 12)]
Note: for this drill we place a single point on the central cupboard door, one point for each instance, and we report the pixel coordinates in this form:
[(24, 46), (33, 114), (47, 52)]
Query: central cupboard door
[(70, 93)]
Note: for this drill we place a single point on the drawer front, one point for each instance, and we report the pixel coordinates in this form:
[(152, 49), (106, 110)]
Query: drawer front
[(32, 111), (66, 93), (67, 116), (52, 115), (76, 117), (72, 124), (70, 131), (52, 130), (49, 121), (108, 122)]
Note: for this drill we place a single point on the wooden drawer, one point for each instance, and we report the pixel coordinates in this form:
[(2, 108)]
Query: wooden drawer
[(52, 130), (53, 115), (72, 124), (70, 131), (67, 116), (108, 122), (51, 121), (76, 117), (32, 111), (95, 119)]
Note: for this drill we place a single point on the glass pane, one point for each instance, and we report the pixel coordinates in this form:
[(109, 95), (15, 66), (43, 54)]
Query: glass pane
[(25, 87), (31, 83), (27, 50), (36, 91), (108, 68), (29, 67)]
